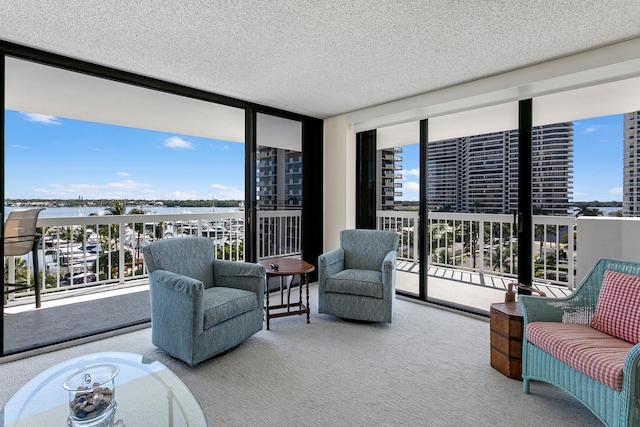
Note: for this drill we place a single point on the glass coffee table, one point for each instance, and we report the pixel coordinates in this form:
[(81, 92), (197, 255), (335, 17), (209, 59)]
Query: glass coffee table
[(147, 393)]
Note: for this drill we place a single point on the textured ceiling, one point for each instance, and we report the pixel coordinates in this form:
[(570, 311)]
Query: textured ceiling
[(320, 58)]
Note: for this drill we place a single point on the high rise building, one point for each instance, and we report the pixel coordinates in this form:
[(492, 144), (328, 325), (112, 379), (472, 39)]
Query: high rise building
[(552, 168), (389, 165), (480, 173), (279, 178), (631, 181), (278, 187)]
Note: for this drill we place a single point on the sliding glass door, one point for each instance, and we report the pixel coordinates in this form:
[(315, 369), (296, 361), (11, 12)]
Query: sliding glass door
[(279, 195)]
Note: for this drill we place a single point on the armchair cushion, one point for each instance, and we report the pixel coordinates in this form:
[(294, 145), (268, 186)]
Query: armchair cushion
[(366, 249), (177, 256), (618, 308), (224, 303), (587, 350), (356, 282)]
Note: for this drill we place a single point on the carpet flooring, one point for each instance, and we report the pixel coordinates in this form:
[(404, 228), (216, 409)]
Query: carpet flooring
[(430, 367)]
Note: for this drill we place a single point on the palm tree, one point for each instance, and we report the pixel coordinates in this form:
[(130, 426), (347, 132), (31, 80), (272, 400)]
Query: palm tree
[(119, 208), (20, 270), (139, 229), (584, 209)]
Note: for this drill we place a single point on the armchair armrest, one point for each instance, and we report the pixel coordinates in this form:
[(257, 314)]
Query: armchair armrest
[(389, 275), (177, 283), (240, 275), (173, 293), (329, 263), (389, 262)]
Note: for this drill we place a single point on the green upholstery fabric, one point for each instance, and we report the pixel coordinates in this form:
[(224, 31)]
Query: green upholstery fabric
[(357, 280), (224, 303), (201, 306)]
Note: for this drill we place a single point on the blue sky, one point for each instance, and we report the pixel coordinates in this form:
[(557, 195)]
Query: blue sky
[(597, 161), (56, 158)]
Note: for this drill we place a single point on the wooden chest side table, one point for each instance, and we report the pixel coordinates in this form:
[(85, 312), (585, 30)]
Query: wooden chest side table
[(506, 326)]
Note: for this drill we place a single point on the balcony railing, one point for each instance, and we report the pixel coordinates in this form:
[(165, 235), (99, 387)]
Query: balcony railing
[(106, 249), (487, 243), (96, 250)]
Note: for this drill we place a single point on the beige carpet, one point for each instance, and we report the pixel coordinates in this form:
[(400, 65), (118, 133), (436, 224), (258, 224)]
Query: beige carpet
[(429, 368)]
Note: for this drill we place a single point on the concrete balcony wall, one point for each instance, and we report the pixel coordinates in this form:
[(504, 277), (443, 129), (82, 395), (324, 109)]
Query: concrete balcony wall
[(598, 237)]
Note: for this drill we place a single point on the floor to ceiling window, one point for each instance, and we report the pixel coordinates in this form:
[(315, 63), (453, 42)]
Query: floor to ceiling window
[(398, 196), (279, 174), (601, 123), (112, 136), (583, 162), (471, 195)]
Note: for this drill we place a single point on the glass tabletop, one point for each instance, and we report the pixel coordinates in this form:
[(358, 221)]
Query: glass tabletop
[(147, 393)]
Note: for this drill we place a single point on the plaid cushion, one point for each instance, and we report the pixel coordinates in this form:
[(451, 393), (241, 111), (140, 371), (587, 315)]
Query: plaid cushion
[(618, 307), (587, 350)]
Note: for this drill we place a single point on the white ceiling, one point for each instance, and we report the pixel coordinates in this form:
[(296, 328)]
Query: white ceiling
[(320, 58)]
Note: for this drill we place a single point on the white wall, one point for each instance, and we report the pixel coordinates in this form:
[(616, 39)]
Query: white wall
[(616, 238), (339, 180)]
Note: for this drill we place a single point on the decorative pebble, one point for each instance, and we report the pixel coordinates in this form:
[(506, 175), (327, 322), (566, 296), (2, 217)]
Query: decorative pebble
[(88, 404)]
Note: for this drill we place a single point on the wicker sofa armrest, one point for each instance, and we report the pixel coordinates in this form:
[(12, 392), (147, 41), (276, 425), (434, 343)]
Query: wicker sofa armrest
[(575, 308), (541, 309), (631, 375)]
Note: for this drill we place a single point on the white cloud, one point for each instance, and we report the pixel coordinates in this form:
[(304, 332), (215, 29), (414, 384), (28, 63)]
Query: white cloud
[(21, 147), (176, 142), (123, 173), (410, 190), (41, 118), (227, 192), (410, 172), (616, 190), (127, 184), (593, 128), (183, 195), (411, 186), (126, 189)]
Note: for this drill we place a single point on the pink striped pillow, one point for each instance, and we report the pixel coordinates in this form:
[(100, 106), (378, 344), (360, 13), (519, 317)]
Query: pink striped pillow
[(618, 307)]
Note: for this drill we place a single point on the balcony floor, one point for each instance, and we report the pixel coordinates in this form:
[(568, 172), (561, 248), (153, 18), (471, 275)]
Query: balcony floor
[(462, 287)]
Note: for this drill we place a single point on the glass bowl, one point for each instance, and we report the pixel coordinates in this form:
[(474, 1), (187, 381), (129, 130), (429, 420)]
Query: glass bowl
[(92, 395)]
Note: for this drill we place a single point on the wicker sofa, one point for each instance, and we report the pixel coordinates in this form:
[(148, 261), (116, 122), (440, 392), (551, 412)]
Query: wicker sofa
[(587, 343)]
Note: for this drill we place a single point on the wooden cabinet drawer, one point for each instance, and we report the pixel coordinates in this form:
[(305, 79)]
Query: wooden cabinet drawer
[(506, 326)]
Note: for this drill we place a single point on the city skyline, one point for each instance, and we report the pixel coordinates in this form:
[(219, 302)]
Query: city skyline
[(597, 161), (49, 157)]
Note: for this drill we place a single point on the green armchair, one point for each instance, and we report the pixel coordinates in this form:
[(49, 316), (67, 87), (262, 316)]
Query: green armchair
[(201, 306), (357, 281)]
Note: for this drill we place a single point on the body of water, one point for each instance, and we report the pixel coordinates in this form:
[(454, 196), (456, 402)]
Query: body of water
[(59, 212), (160, 210)]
